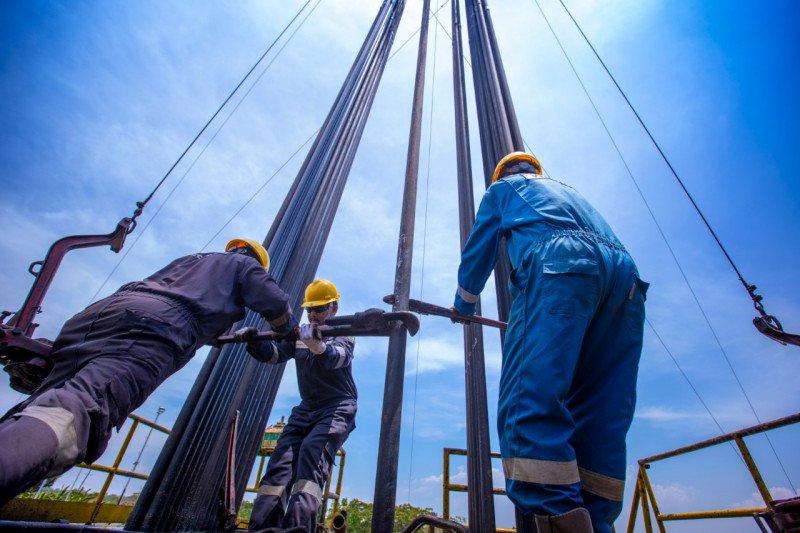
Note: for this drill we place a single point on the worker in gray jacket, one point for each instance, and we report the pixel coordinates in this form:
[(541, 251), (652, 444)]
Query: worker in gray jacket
[(290, 492), (109, 357)]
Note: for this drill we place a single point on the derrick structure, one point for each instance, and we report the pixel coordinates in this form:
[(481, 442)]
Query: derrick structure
[(190, 470), (186, 480)]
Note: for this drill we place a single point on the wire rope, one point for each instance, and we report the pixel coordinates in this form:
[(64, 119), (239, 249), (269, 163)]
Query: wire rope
[(424, 247), (658, 226), (210, 140), (233, 92), (206, 245), (416, 31), (658, 147), (694, 389)]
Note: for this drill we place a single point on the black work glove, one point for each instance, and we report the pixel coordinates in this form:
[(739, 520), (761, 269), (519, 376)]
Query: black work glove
[(290, 326), (455, 320)]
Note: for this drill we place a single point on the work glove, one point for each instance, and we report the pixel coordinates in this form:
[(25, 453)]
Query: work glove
[(245, 334), (26, 376), (456, 320), (287, 328), (316, 346)]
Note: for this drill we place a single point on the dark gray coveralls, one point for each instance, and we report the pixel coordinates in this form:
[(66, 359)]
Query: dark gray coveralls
[(290, 492), (109, 358)]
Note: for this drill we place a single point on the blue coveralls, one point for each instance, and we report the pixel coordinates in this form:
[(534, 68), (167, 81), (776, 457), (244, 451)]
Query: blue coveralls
[(572, 347), (290, 492), (109, 358)]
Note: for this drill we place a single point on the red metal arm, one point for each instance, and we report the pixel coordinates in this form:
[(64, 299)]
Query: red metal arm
[(23, 319)]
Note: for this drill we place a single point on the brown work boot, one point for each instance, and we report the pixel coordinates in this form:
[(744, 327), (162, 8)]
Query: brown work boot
[(574, 521)]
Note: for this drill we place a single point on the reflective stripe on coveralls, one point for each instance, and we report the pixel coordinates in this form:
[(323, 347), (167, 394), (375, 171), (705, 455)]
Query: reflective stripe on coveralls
[(545, 472), (62, 422), (468, 296), (271, 490), (563, 473), (308, 487), (275, 356), (341, 357), (606, 487)]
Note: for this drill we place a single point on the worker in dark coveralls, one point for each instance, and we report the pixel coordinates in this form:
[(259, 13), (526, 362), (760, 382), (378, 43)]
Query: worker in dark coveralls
[(290, 492), (111, 356), (571, 350)]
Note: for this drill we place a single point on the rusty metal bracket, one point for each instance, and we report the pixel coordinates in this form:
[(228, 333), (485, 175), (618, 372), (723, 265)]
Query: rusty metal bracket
[(768, 324), (27, 360), (764, 324), (45, 270)]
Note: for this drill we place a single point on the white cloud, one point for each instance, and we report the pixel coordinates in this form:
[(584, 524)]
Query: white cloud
[(675, 495), (668, 414), (756, 501), (436, 355)]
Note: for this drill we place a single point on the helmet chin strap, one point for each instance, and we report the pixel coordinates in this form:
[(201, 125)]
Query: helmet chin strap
[(244, 250), (521, 167)]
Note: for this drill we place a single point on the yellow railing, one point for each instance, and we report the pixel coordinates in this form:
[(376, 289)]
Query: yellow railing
[(27, 509), (644, 496), (448, 487), (84, 512)]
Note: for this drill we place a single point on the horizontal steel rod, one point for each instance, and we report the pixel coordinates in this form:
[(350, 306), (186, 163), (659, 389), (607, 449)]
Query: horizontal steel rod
[(760, 428)]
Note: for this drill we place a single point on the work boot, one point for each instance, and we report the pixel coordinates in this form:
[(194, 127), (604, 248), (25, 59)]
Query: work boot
[(574, 521)]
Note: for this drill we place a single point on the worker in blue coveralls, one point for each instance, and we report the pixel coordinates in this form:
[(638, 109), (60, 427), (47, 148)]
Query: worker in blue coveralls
[(109, 357), (290, 492), (571, 350)]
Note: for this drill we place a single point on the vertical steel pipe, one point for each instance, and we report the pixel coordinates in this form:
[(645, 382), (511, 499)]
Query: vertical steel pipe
[(479, 462), (497, 122), (498, 127), (389, 443)]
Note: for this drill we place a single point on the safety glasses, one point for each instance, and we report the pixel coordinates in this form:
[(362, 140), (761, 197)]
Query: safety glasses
[(318, 308)]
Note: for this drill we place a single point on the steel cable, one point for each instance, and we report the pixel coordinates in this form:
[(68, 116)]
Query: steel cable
[(422, 262), (661, 232), (208, 143)]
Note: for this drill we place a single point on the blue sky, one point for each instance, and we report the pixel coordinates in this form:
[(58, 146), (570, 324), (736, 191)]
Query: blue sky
[(97, 100)]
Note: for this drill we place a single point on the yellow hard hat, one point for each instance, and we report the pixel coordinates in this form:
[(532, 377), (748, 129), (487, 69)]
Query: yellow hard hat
[(515, 157), (320, 292), (255, 246)]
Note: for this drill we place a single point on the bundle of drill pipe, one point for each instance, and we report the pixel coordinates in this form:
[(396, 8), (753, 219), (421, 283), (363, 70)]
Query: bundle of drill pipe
[(183, 489)]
